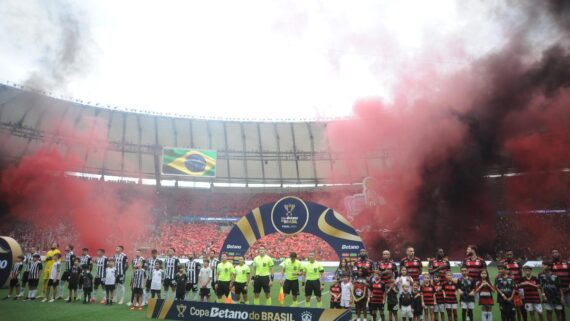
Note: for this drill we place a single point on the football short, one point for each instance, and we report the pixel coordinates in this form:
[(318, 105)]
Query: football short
[(65, 276), (439, 308), (33, 282), (204, 292), (138, 291), (147, 285), (261, 282), (430, 307), (110, 287), (25, 278), (392, 307), (345, 303), (313, 286), (550, 307), (87, 290), (417, 312), (97, 282), (240, 288), (168, 283), (533, 307), (407, 312), (467, 305), (72, 285), (335, 305), (14, 283), (223, 288), (190, 287), (291, 287), (451, 305), (53, 283), (373, 307), (361, 305)]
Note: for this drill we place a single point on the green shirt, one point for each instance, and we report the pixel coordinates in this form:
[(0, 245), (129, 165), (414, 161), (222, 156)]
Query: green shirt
[(262, 265), (313, 270), (241, 273), (292, 269), (225, 271)]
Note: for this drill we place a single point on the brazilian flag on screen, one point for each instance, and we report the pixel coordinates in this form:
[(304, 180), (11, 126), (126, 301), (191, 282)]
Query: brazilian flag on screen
[(191, 162)]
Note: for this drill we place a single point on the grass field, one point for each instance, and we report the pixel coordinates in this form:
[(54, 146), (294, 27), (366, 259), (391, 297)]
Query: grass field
[(61, 311)]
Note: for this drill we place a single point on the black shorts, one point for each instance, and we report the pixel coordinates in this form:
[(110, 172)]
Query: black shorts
[(147, 286), (373, 307), (87, 290), (335, 305), (204, 292), (291, 287), (240, 288), (417, 312), (53, 283), (190, 287), (261, 282), (14, 283), (138, 291), (33, 282), (120, 279), (168, 283), (25, 278), (391, 306), (360, 305), (313, 286), (72, 285), (110, 287), (97, 282), (65, 276), (223, 288)]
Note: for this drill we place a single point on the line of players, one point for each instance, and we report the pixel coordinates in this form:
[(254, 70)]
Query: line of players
[(368, 286)]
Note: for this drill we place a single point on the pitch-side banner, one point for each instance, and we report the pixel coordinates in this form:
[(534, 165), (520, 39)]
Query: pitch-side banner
[(9, 251), (205, 311), (189, 162)]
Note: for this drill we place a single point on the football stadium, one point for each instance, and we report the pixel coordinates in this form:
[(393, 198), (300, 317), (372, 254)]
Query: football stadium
[(296, 160)]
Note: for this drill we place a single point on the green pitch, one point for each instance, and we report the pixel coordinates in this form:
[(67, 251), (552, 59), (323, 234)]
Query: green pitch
[(61, 311)]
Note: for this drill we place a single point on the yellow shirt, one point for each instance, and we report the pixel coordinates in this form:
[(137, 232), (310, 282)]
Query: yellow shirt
[(51, 261), (292, 269), (313, 270), (241, 273), (262, 265), (225, 271)]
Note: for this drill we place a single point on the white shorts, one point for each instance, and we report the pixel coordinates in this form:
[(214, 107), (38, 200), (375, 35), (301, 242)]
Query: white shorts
[(451, 306), (550, 307), (533, 307), (407, 312), (439, 308), (345, 303), (467, 305)]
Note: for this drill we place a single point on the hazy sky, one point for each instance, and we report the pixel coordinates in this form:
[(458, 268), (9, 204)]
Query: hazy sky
[(243, 59)]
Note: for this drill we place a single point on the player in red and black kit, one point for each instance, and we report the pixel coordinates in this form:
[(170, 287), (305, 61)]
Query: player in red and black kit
[(386, 264), (376, 299), (474, 264), (412, 263), (514, 266), (363, 264), (440, 264), (561, 268), (530, 287)]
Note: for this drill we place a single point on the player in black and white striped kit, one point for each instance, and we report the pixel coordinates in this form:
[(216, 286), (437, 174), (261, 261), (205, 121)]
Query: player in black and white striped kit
[(14, 278), (149, 266), (170, 268), (121, 264), (135, 262), (28, 258), (214, 265), (100, 266), (137, 284), (84, 260), (67, 264), (193, 271), (34, 272)]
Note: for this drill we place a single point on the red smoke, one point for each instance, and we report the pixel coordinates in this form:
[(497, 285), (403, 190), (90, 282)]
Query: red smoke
[(101, 214)]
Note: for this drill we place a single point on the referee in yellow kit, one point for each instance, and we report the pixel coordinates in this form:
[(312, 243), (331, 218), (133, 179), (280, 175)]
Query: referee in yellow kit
[(225, 274), (262, 275), (313, 280)]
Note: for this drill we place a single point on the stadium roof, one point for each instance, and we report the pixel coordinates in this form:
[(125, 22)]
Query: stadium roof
[(265, 153)]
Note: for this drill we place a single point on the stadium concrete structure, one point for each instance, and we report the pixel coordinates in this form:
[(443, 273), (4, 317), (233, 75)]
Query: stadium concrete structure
[(271, 153)]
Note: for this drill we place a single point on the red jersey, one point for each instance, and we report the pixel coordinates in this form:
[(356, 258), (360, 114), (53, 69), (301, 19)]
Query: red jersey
[(335, 291), (439, 293), (486, 291), (561, 269), (364, 265), (377, 292), (530, 292), (514, 267), (414, 266), (474, 267), (360, 287), (450, 290), (428, 292), (437, 263), (384, 266)]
